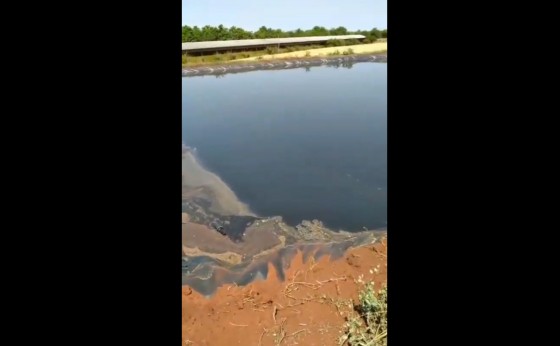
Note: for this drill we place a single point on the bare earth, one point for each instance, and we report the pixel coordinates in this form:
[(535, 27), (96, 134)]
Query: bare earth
[(307, 308), (357, 49)]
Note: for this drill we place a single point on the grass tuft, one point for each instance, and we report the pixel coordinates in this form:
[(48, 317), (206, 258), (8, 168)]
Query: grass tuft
[(369, 326)]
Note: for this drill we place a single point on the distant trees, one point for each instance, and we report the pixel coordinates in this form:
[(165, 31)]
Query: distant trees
[(221, 33), (338, 31), (210, 33)]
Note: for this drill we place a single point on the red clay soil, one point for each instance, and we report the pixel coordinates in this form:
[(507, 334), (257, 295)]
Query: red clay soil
[(308, 308)]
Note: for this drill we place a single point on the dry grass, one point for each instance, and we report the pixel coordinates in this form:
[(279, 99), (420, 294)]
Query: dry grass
[(369, 325), (366, 322), (355, 49), (278, 331), (227, 57), (294, 285)]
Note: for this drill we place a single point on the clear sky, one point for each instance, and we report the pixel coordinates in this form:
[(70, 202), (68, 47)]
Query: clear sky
[(286, 14)]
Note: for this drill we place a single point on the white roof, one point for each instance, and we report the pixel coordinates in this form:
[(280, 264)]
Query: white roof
[(264, 42)]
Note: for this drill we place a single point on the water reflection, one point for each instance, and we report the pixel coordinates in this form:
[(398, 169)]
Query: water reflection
[(346, 62)]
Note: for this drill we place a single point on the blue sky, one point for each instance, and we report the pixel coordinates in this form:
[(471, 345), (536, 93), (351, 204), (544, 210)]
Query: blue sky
[(286, 14)]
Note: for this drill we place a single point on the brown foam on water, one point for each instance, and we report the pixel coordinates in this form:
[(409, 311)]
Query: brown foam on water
[(224, 200), (201, 238)]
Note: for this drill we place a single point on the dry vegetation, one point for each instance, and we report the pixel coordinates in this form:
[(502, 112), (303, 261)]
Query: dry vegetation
[(273, 53), (226, 57), (368, 327), (378, 47)]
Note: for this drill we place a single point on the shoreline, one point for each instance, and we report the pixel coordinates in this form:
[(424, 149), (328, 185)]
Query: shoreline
[(311, 298), (224, 200), (280, 64), (249, 245)]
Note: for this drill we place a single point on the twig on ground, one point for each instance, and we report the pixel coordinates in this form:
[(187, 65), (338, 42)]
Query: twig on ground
[(297, 332), (262, 334), (282, 332), (239, 325), (342, 278), (311, 267), (306, 284)]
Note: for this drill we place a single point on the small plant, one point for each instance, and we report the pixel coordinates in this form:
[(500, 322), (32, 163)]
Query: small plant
[(370, 327), (307, 54)]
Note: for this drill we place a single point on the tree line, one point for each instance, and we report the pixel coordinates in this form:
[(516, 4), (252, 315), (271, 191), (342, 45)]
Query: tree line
[(221, 33)]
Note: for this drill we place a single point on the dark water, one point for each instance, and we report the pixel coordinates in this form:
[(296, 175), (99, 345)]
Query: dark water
[(303, 144)]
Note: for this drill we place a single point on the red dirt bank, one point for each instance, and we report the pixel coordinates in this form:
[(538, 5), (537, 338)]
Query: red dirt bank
[(308, 308)]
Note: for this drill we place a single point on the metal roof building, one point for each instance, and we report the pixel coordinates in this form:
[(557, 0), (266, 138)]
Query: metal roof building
[(208, 46)]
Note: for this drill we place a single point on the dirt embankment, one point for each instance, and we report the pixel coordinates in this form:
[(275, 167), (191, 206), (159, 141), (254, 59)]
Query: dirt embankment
[(307, 308), (369, 48)]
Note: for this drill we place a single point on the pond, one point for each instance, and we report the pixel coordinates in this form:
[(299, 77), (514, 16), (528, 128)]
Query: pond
[(306, 143)]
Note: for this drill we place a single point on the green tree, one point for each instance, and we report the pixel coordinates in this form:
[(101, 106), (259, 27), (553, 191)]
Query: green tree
[(262, 32), (319, 31), (375, 33), (211, 33), (197, 34), (338, 31)]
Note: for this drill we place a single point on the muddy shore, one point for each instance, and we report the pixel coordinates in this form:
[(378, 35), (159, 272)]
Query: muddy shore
[(247, 245), (217, 70)]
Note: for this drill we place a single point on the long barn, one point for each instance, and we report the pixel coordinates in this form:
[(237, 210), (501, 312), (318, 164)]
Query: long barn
[(236, 45)]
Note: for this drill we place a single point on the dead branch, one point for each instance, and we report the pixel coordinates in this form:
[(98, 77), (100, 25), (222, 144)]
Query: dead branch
[(239, 325), (262, 334), (297, 332)]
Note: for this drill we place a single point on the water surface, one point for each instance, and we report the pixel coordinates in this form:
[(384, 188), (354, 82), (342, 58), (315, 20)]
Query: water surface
[(301, 143)]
